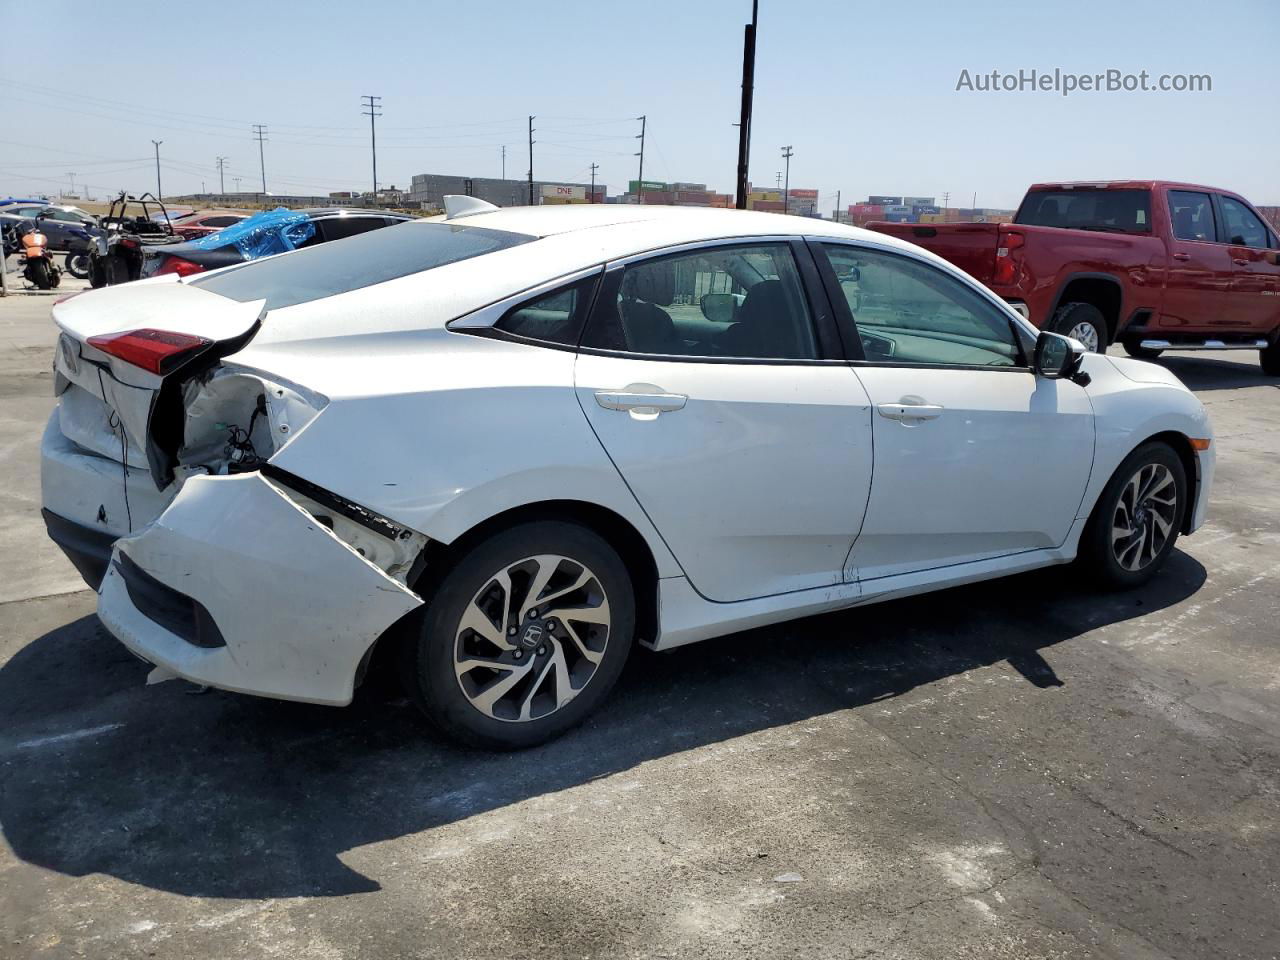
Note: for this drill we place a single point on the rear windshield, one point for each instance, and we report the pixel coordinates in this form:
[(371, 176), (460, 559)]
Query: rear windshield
[(355, 262), (1111, 211)]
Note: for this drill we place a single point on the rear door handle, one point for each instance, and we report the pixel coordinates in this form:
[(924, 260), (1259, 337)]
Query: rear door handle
[(1240, 261), (909, 412), (1182, 256), (640, 402)]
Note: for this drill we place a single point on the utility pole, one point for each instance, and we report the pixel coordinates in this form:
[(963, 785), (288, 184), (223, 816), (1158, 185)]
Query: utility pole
[(237, 180), (260, 134), (786, 189), (372, 104), (504, 161), (222, 165), (531, 160), (640, 182), (744, 119), (835, 214), (594, 168), (158, 193), (945, 197), (974, 205), (73, 183), (778, 180)]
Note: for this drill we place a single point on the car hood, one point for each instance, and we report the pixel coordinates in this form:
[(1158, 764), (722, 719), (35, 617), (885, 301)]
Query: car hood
[(1141, 371)]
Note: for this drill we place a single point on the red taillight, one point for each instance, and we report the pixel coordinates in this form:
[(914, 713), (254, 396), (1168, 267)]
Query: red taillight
[(159, 351), (179, 266), (1006, 264)]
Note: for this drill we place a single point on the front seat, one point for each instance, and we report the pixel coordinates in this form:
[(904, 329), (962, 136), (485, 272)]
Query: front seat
[(647, 327), (763, 329)]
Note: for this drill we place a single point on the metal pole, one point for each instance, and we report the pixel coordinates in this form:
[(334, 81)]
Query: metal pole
[(260, 133), (786, 189), (371, 113), (159, 192), (504, 162), (835, 214), (531, 160), (222, 165), (640, 182), (594, 167), (744, 119)]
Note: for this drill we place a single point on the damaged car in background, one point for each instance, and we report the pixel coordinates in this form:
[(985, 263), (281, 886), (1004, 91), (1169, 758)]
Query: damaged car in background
[(497, 448)]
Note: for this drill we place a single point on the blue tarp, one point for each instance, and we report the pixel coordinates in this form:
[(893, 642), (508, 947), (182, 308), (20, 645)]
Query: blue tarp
[(272, 231)]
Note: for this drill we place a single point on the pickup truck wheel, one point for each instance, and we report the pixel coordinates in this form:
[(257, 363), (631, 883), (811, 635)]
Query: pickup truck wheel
[(1138, 353), (1135, 522), (1270, 359), (1083, 322)]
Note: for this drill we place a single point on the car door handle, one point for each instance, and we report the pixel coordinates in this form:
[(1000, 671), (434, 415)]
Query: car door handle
[(1182, 256), (640, 402), (1240, 261), (909, 412)]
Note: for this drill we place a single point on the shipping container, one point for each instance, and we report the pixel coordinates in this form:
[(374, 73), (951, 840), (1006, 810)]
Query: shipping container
[(885, 201), (633, 186), (799, 194), (919, 202), (932, 218), (771, 206), (865, 209), (900, 217), (920, 208)]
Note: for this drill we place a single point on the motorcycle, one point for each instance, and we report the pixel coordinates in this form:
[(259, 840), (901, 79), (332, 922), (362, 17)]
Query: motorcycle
[(37, 264), (78, 254)]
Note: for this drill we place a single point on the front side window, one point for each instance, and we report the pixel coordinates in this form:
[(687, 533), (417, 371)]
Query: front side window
[(733, 301), (554, 317), (909, 312), (1243, 228), (1192, 215)]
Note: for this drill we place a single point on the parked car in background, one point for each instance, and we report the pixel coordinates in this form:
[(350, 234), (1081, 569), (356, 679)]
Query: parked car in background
[(263, 234), (204, 222), (504, 447), (65, 226), (1149, 264), (130, 225)]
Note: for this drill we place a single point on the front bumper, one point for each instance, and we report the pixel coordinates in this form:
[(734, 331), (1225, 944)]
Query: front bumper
[(293, 607)]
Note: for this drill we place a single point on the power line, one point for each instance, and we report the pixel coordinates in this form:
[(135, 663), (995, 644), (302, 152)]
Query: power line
[(372, 104), (260, 134)]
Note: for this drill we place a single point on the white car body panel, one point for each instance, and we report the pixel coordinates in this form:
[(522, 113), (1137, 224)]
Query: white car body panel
[(440, 430), (1000, 469), (298, 607), (758, 483)]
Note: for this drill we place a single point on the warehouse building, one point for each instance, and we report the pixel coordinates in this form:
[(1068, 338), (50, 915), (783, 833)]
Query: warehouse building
[(428, 190)]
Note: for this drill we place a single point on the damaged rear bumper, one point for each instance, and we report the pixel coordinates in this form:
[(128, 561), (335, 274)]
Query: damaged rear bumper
[(236, 586)]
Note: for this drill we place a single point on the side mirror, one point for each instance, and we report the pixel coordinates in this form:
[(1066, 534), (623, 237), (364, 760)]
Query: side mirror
[(1057, 357), (719, 307)]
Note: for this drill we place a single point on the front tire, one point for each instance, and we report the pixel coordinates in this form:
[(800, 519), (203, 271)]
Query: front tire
[(41, 275), (1270, 359), (78, 265), (1084, 322), (1136, 521), (523, 637)]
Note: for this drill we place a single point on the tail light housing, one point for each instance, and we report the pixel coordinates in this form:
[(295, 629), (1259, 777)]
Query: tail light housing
[(1006, 271), (178, 265), (157, 351)]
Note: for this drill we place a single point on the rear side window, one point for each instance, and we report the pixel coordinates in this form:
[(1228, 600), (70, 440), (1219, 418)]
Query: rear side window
[(360, 261), (554, 317), (1110, 211), (1192, 215), (220, 221)]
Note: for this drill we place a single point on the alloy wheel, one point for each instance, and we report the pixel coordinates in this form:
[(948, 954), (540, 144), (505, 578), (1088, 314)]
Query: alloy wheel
[(1087, 334), (531, 638), (1144, 516)]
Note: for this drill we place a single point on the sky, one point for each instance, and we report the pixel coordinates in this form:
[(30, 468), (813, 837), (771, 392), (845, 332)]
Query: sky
[(865, 93)]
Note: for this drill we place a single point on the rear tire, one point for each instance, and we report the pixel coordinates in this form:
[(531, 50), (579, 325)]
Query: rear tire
[(1084, 322), (1140, 353), (551, 606), (1136, 521), (41, 276), (78, 265), (1270, 359)]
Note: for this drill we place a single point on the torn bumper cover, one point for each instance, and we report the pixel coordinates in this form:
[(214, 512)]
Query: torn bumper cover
[(236, 586)]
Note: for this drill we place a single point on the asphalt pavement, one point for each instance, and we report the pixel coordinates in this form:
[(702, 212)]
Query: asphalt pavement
[(1023, 768)]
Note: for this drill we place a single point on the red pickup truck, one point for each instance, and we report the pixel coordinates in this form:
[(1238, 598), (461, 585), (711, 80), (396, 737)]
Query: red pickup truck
[(1148, 264)]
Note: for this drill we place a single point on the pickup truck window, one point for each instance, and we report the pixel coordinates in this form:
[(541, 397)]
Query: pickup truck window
[(908, 312), (1084, 208), (1243, 228), (1192, 215)]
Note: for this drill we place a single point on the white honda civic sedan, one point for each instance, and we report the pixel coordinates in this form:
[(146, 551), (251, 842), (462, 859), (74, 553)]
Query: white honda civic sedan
[(515, 442)]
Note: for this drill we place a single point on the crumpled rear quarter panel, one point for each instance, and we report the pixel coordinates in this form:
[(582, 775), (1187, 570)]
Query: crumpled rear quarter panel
[(298, 608)]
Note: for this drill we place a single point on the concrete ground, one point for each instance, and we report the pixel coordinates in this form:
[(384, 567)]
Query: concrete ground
[(1019, 769)]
